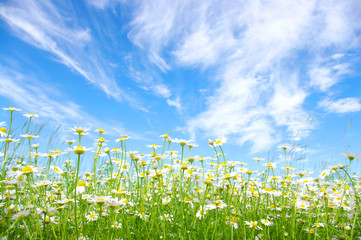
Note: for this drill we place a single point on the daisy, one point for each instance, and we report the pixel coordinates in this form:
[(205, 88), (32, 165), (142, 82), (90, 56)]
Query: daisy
[(351, 156), (216, 204), (80, 150), (166, 201), (9, 140), (35, 146), (11, 109), (116, 224), (121, 139), (220, 141), (70, 142), (200, 214), (112, 203), (270, 165), (125, 137), (100, 130), (85, 197), (325, 173), (28, 170), (266, 222), (92, 216), (80, 130), (182, 142), (234, 222), (243, 170), (58, 170), (209, 181), (48, 220), (21, 215), (143, 216), (3, 131), (155, 146), (83, 238), (319, 225), (192, 145), (80, 188), (100, 199), (120, 192), (125, 202), (258, 159), (253, 224), (165, 135), (166, 217), (188, 200), (284, 146), (31, 115), (302, 204), (41, 184)]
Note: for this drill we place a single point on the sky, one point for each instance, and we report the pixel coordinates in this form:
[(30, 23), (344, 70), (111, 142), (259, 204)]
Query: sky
[(260, 73)]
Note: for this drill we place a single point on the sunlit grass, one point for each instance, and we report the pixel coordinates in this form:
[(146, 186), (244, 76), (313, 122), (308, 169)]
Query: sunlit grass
[(165, 194)]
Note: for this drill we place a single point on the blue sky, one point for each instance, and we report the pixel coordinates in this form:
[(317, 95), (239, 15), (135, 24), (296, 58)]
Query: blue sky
[(261, 73)]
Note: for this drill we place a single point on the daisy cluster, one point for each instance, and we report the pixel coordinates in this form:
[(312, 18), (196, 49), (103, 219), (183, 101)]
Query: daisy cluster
[(165, 193)]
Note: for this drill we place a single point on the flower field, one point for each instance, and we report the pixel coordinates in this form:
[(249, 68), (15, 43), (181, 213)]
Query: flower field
[(165, 194)]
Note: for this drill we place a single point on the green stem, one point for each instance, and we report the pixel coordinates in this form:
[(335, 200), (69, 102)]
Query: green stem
[(75, 204)]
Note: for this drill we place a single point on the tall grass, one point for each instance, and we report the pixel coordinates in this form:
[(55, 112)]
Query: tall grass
[(163, 195)]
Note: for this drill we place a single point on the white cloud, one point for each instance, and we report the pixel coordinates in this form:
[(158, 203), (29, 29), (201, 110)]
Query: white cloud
[(324, 74), (204, 46), (162, 90), (102, 4), (34, 96), (152, 27), (148, 82), (43, 25), (261, 133), (344, 105), (175, 103), (323, 78), (254, 47)]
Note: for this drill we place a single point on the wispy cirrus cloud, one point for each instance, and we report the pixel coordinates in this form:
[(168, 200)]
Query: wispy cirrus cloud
[(33, 95), (260, 52), (102, 4), (327, 72), (175, 103), (44, 25), (343, 105), (150, 81)]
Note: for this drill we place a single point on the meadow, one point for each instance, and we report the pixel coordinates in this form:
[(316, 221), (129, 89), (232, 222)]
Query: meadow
[(165, 194)]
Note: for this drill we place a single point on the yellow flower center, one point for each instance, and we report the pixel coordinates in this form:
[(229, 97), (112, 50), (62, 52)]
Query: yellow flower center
[(217, 203), (187, 199), (81, 184), (79, 150), (3, 130), (184, 166), (27, 170)]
